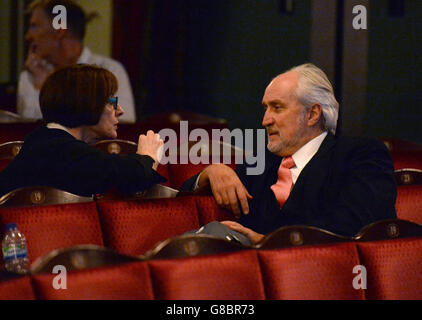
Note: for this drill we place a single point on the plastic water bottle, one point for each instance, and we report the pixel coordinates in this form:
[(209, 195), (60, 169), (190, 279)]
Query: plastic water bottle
[(14, 250)]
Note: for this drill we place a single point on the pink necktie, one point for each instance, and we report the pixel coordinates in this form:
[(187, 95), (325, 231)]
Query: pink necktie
[(284, 183)]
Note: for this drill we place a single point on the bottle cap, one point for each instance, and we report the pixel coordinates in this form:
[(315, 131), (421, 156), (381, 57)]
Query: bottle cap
[(11, 226)]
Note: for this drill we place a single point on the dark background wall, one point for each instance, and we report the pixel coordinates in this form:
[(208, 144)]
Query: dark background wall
[(234, 48), (394, 100), (216, 58)]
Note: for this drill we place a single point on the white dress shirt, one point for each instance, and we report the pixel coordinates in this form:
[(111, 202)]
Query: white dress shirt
[(28, 97), (302, 156)]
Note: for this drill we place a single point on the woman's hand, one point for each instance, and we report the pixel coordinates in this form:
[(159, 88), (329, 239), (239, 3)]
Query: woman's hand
[(150, 145)]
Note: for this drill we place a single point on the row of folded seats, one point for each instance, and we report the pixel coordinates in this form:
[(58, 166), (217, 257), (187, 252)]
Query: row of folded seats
[(131, 226), (325, 271), (139, 254), (407, 159)]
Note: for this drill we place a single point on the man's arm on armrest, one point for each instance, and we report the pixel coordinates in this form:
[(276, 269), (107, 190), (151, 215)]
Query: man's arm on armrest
[(225, 185)]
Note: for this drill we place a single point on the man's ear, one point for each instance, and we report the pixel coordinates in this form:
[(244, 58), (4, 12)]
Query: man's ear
[(314, 114)]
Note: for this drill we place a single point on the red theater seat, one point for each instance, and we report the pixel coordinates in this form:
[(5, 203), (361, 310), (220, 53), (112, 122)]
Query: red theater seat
[(292, 236), (408, 176), (3, 164), (233, 276), (170, 120), (135, 226), (56, 226), (179, 173), (209, 210), (125, 147), (409, 203), (123, 282), (185, 167), (310, 273), (16, 131), (405, 154), (163, 170), (401, 146), (17, 289), (394, 269), (192, 245), (8, 151)]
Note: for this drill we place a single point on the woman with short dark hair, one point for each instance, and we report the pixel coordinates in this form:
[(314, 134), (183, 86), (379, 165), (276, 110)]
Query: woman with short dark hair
[(76, 96), (79, 108)]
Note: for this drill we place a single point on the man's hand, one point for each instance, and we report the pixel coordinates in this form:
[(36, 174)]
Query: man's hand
[(38, 67), (226, 187), (150, 145), (252, 235)]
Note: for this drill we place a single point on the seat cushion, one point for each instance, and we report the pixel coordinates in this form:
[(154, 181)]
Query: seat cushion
[(135, 226), (394, 268), (233, 276), (57, 226), (311, 272)]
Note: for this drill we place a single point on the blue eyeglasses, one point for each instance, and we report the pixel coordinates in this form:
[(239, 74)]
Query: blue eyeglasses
[(114, 101)]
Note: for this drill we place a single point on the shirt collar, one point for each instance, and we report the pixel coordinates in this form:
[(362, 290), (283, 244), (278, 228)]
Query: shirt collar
[(302, 156), (85, 55), (53, 125)]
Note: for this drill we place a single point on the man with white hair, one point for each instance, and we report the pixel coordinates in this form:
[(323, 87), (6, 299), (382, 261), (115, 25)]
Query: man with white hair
[(311, 177)]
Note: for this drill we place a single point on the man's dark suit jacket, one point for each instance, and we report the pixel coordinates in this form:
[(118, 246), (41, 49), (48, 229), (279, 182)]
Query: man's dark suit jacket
[(348, 184), (54, 158)]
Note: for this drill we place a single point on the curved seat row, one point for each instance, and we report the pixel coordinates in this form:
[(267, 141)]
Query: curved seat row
[(52, 219), (388, 269), (408, 172), (130, 226)]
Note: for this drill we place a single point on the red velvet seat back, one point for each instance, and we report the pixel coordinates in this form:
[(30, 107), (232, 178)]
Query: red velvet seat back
[(394, 268), (51, 227), (313, 272), (163, 170), (17, 289), (409, 203), (16, 131), (209, 210), (226, 276), (4, 163), (135, 226), (407, 159), (179, 173), (122, 282)]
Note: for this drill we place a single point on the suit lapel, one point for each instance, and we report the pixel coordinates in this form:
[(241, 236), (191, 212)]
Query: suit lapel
[(311, 175)]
